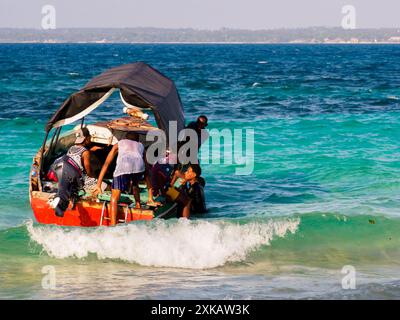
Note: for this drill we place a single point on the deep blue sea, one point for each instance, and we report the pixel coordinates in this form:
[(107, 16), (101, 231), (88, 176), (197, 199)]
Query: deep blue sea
[(324, 193)]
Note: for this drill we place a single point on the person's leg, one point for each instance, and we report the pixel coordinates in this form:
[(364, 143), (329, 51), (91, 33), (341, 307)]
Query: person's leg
[(61, 201), (135, 178), (157, 180), (149, 187), (136, 193), (153, 179), (186, 210), (152, 191), (66, 187), (119, 185), (115, 195), (184, 203)]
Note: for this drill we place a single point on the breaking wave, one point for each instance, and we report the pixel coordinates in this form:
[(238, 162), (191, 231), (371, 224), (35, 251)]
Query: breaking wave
[(181, 244)]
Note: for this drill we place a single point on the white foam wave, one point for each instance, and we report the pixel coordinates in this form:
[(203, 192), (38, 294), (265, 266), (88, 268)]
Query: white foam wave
[(182, 244)]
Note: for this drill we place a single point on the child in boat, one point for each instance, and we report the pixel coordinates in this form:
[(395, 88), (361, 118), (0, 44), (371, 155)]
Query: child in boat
[(128, 171), (191, 197)]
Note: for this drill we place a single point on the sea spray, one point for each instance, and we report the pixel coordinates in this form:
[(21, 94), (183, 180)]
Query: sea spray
[(199, 244)]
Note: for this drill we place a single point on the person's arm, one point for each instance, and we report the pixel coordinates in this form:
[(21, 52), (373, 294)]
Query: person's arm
[(86, 163), (95, 148), (177, 174), (109, 159)]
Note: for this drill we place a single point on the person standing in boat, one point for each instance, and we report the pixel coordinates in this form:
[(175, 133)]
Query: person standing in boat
[(76, 172), (200, 124), (128, 172)]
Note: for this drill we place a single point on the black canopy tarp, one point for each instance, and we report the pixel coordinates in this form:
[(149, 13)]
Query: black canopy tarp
[(140, 85)]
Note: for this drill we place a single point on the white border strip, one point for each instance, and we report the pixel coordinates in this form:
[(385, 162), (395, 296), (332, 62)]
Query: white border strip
[(89, 109)]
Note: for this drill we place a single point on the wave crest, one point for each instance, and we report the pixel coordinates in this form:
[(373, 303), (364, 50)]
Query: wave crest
[(198, 244)]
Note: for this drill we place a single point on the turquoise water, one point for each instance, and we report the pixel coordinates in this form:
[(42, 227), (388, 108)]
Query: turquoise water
[(324, 193)]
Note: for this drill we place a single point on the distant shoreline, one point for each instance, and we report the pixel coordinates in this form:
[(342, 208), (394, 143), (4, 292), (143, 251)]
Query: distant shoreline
[(148, 35)]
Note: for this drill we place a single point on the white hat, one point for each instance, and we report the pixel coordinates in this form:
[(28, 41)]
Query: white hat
[(81, 135)]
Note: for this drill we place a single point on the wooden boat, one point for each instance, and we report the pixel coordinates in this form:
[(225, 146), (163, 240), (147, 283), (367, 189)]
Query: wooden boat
[(144, 92)]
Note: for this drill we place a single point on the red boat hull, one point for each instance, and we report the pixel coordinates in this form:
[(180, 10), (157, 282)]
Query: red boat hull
[(85, 214)]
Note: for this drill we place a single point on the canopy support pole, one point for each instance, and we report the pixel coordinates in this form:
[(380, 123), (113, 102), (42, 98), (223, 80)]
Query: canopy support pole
[(41, 160)]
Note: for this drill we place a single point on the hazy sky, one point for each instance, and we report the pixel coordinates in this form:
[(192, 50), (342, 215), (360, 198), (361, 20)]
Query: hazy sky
[(200, 14)]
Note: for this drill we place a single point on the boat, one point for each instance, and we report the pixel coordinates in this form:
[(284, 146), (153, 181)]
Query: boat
[(146, 95)]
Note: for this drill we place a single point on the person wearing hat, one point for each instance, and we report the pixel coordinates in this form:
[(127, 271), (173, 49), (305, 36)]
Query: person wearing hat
[(80, 153), (76, 172)]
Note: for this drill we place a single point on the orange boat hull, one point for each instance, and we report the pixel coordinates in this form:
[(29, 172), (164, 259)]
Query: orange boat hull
[(85, 214)]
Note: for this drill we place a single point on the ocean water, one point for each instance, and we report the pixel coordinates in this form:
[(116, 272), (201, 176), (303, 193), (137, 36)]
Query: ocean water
[(324, 193)]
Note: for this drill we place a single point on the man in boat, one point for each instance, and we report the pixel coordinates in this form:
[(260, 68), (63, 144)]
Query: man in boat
[(76, 173), (200, 124), (199, 127), (190, 194), (128, 172)]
